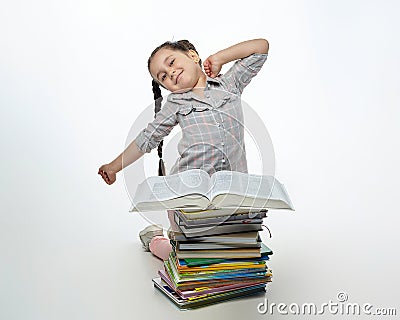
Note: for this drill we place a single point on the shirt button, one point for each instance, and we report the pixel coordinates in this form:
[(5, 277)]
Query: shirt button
[(218, 124), (223, 160), (222, 144)]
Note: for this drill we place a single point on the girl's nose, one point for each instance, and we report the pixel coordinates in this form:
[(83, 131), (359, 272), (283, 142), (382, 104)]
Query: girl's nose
[(171, 73)]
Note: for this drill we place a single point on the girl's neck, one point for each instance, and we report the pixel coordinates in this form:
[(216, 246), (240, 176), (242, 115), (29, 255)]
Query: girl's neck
[(200, 85)]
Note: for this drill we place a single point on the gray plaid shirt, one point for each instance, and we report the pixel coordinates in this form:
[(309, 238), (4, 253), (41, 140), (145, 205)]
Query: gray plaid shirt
[(212, 127)]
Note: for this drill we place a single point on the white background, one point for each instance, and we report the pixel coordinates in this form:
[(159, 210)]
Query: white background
[(73, 79)]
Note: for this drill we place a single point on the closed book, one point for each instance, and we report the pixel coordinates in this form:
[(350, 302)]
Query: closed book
[(236, 219), (207, 299), (220, 229), (232, 223), (192, 262), (222, 253), (218, 215), (239, 237), (214, 245)]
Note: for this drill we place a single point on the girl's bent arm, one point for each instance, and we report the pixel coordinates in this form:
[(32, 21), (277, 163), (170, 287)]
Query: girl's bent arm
[(214, 63), (242, 50)]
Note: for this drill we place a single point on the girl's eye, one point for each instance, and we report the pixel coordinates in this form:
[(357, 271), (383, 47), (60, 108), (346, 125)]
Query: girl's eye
[(163, 77), (172, 62)]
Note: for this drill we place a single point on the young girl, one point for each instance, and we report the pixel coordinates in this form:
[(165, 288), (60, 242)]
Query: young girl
[(206, 105)]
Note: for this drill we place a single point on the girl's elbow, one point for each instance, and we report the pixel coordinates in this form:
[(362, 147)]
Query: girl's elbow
[(264, 45)]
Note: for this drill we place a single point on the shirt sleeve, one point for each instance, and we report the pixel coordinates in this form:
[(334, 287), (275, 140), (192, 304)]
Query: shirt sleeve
[(243, 70), (165, 120)]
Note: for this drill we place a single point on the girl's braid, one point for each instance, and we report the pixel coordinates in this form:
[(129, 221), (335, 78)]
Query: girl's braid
[(157, 107)]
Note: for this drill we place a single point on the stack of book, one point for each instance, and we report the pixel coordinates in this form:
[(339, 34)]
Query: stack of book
[(217, 255), (217, 252)]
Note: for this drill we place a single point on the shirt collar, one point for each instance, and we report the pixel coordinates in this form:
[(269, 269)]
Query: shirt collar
[(189, 94), (215, 80)]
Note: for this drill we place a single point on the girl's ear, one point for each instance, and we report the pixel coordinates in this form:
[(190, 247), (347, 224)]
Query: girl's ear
[(193, 55)]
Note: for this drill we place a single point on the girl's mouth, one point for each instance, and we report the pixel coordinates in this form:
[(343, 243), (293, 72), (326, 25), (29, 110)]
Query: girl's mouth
[(178, 77)]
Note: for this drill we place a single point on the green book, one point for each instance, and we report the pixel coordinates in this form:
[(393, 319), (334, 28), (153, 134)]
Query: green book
[(265, 252)]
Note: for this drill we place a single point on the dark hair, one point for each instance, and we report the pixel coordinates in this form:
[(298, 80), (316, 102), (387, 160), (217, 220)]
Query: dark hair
[(181, 45)]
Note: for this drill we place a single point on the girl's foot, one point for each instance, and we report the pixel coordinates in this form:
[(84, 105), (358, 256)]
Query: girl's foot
[(149, 233)]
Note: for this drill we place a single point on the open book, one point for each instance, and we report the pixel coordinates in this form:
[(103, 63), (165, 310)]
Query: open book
[(196, 190)]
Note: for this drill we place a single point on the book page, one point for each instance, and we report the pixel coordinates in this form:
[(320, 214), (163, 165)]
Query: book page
[(248, 186), (163, 188), (240, 183)]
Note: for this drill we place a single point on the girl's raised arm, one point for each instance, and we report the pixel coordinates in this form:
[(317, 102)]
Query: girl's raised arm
[(214, 63)]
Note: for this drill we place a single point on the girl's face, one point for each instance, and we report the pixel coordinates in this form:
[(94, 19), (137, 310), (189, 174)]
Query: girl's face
[(177, 71)]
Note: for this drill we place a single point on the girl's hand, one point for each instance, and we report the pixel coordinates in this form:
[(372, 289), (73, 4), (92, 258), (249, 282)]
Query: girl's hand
[(107, 173), (212, 66)]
